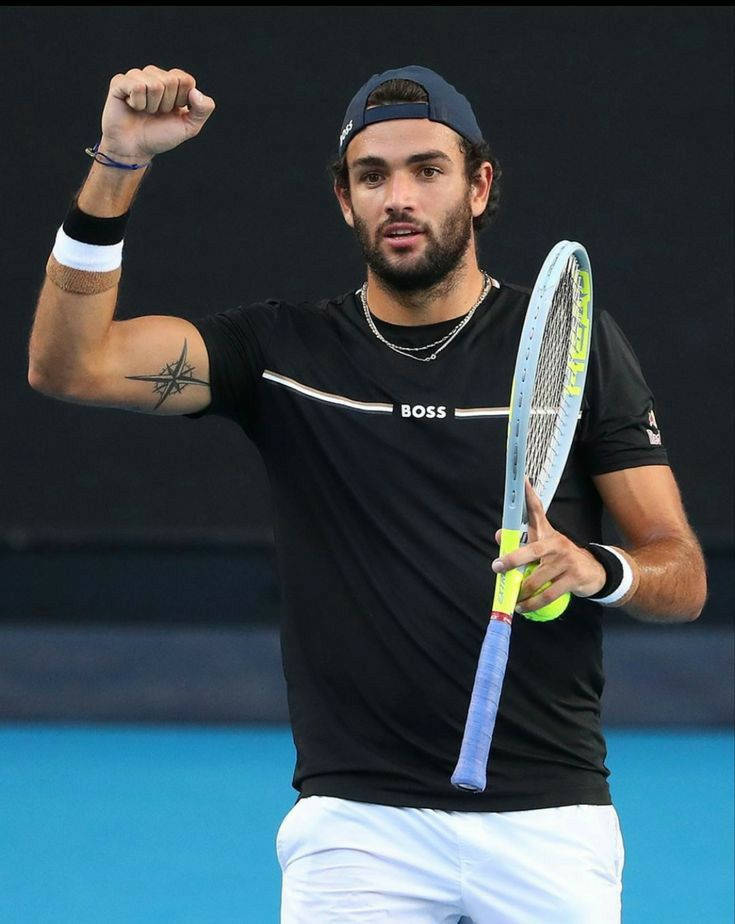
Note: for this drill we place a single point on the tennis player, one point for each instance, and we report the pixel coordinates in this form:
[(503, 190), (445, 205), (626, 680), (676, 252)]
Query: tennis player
[(380, 414)]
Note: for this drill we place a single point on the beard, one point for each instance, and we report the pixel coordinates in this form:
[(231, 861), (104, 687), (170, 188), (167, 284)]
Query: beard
[(442, 254)]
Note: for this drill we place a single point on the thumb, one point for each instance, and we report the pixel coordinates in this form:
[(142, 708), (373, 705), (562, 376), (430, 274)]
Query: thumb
[(201, 107)]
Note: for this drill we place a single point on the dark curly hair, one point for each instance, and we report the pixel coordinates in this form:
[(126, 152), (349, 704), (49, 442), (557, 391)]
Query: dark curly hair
[(406, 91)]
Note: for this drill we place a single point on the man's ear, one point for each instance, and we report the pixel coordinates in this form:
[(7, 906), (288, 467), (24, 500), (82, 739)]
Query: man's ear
[(481, 185), (345, 203)]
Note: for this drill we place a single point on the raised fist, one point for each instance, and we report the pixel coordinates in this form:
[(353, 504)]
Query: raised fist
[(150, 111)]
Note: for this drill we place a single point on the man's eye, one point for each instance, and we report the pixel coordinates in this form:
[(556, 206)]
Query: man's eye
[(427, 172)]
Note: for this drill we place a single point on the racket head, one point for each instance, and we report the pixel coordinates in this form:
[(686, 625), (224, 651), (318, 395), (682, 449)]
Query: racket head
[(549, 377)]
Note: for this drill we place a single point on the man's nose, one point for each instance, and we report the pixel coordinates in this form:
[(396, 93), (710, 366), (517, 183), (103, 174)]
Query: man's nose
[(399, 192)]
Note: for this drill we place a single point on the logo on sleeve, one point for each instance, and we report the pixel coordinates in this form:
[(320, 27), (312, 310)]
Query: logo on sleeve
[(423, 410), (654, 435)]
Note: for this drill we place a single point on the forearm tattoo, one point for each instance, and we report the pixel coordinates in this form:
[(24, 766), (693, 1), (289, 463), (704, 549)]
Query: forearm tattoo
[(172, 379)]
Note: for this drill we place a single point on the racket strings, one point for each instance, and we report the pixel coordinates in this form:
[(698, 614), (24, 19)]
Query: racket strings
[(549, 409)]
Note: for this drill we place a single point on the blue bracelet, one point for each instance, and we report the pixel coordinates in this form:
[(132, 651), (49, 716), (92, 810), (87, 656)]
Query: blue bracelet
[(94, 153)]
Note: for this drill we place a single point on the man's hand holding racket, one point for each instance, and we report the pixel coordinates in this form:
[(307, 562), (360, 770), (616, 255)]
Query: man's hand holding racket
[(569, 568)]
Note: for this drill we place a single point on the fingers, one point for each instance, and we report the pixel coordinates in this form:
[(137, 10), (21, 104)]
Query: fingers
[(535, 579), (170, 92), (566, 565), (542, 598), (130, 87), (153, 89), (186, 85), (537, 521), (520, 558)]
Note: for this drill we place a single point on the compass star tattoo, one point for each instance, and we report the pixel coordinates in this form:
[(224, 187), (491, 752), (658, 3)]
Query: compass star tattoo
[(172, 379)]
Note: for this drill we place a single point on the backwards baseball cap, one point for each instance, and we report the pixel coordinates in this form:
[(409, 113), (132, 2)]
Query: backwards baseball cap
[(446, 105)]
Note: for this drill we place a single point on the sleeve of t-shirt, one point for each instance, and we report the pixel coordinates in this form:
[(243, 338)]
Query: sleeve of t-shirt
[(619, 428), (237, 344)]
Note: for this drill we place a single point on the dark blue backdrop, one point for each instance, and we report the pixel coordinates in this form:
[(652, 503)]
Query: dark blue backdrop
[(613, 126)]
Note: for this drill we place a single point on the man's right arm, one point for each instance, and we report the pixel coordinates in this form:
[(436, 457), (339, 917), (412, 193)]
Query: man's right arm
[(78, 352)]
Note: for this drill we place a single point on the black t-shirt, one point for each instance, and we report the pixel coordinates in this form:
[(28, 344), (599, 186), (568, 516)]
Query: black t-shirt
[(387, 482)]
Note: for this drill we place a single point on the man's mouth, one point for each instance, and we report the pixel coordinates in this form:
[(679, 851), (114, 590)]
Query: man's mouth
[(401, 230), (402, 235)]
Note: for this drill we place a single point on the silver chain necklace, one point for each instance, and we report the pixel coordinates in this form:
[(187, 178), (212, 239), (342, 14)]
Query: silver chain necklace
[(442, 342)]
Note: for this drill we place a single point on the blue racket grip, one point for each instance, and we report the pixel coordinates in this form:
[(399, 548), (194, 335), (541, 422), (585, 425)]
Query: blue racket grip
[(471, 770)]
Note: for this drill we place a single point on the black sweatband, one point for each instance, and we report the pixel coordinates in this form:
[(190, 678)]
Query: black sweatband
[(92, 230), (613, 570)]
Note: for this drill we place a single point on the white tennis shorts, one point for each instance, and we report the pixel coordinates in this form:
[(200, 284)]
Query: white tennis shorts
[(347, 862)]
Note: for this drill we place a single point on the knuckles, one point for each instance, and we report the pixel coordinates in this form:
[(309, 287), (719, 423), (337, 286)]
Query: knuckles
[(182, 76), (175, 79)]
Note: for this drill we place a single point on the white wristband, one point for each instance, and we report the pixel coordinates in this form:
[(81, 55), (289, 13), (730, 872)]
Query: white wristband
[(622, 589), (92, 258)]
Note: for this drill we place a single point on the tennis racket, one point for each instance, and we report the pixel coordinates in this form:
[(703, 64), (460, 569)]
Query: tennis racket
[(545, 401)]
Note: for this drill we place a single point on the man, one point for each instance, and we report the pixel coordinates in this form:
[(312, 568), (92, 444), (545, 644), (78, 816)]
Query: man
[(386, 494)]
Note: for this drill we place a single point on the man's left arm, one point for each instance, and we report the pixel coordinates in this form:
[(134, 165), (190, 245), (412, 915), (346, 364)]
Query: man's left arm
[(669, 582), (664, 553)]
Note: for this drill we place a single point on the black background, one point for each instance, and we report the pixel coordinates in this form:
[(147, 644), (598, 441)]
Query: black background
[(613, 127)]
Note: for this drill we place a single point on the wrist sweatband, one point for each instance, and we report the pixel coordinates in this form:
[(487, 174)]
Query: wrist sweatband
[(619, 575), (87, 254), (88, 229)]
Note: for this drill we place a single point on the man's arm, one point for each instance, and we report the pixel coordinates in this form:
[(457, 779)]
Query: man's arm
[(670, 583), (646, 506), (77, 352)]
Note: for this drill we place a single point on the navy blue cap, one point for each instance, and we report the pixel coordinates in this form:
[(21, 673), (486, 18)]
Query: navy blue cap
[(446, 105)]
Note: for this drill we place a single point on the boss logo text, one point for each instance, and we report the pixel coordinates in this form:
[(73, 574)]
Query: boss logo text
[(423, 410)]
